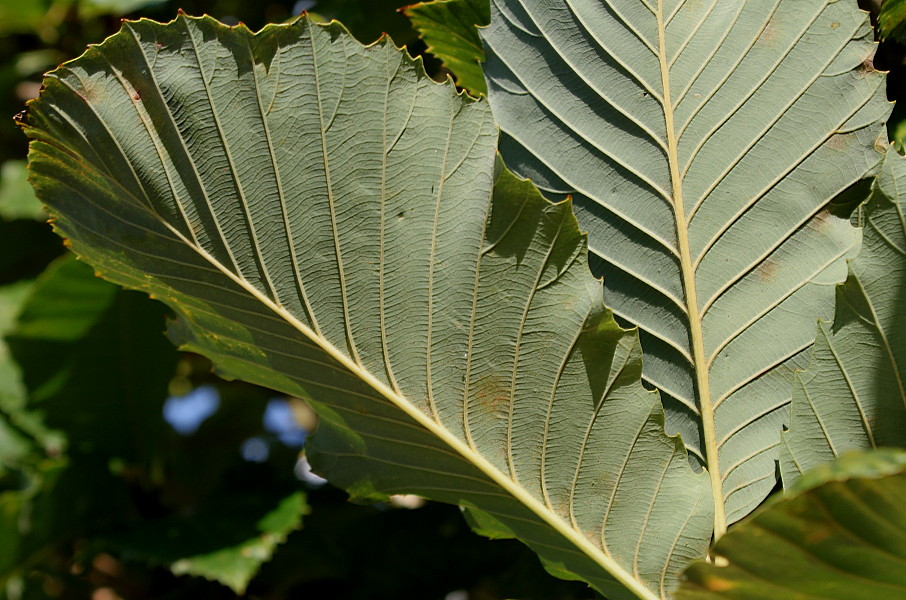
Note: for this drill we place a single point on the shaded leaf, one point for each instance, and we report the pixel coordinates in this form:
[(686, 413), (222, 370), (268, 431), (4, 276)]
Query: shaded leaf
[(17, 198), (450, 30), (15, 444), (838, 534), (94, 362), (226, 543), (892, 20)]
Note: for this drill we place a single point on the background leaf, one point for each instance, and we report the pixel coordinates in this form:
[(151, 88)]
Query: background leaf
[(450, 30), (853, 394), (701, 142), (222, 543), (74, 323), (17, 198), (839, 534), (892, 20), (263, 186)]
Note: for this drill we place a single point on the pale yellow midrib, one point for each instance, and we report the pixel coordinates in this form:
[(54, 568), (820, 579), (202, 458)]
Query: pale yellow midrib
[(519, 494), (700, 364)]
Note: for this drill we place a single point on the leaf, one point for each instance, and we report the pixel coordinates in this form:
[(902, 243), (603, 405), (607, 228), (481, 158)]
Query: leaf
[(701, 142), (853, 395), (94, 363), (226, 543), (367, 21), (17, 198), (52, 507), (95, 8), (14, 443), (22, 17), (320, 216), (839, 534), (892, 20), (450, 31)]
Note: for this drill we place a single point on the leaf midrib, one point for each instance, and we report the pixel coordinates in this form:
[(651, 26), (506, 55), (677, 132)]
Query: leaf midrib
[(552, 519), (696, 337), (593, 552)]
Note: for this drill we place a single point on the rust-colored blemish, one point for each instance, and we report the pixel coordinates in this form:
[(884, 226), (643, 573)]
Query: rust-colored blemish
[(818, 536), (821, 220), (867, 66), (838, 141), (492, 395), (717, 584), (137, 95), (766, 270), (769, 34)]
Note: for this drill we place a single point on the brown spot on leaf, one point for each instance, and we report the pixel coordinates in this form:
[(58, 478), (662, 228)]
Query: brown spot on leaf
[(137, 95), (769, 34), (492, 394), (817, 536), (766, 270), (839, 141), (717, 584), (867, 66), (821, 220)]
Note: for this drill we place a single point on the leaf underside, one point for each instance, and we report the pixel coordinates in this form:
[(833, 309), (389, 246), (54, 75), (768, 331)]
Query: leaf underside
[(853, 395), (329, 222), (701, 142)]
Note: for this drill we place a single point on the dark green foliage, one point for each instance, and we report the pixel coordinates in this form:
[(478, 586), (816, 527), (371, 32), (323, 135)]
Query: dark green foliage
[(450, 30)]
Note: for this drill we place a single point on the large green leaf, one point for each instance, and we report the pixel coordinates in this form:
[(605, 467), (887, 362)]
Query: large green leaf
[(853, 395), (838, 534), (329, 222), (450, 30), (702, 142)]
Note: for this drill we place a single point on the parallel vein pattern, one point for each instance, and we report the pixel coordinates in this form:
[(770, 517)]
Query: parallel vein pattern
[(329, 222), (853, 395), (701, 141), (838, 534)]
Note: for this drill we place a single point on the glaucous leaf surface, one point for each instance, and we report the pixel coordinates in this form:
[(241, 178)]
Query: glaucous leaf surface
[(853, 395), (838, 534), (701, 141), (329, 222), (449, 28)]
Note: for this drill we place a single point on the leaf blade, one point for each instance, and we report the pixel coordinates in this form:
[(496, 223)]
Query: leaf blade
[(671, 124), (852, 395)]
